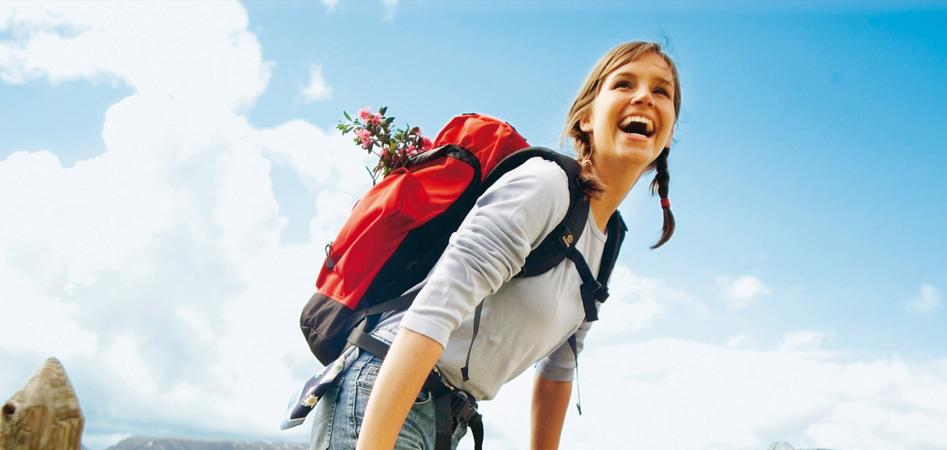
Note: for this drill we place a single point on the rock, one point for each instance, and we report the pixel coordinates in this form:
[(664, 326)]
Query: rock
[(44, 415)]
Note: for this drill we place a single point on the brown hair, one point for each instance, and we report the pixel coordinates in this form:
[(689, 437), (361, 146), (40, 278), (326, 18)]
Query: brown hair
[(581, 141)]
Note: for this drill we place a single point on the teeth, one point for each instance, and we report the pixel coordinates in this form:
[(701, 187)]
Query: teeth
[(628, 120)]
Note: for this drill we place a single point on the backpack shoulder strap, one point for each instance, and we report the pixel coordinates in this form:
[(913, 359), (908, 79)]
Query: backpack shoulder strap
[(559, 243), (616, 235), (552, 249)]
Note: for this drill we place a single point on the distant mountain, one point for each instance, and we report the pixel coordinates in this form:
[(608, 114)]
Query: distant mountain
[(788, 446), (145, 443)]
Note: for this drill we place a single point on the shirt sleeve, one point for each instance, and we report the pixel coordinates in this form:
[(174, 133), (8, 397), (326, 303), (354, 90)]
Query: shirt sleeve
[(491, 245), (560, 364)]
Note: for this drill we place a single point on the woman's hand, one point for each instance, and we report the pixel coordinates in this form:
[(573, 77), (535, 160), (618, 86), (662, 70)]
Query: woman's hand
[(402, 374), (550, 401)]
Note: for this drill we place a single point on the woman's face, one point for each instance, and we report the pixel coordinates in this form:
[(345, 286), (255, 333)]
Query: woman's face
[(632, 116)]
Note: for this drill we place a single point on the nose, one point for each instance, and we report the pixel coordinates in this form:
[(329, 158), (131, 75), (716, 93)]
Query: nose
[(643, 96)]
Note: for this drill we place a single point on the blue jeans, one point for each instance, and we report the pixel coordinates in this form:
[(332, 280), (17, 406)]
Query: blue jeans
[(337, 418)]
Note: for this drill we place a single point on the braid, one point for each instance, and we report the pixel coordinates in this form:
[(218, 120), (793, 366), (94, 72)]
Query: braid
[(660, 184), (589, 183)]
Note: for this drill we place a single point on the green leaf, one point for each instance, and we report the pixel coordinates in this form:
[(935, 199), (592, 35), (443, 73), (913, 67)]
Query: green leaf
[(383, 110), (347, 116)]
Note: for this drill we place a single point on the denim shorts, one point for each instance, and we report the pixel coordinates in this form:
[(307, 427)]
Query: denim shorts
[(337, 418)]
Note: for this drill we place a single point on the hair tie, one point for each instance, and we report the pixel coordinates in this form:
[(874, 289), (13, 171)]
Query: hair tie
[(665, 203)]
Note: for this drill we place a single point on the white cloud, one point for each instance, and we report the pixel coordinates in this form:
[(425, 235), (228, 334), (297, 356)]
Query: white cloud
[(316, 89), (741, 341), (686, 395), (155, 270), (635, 302), (27, 308), (741, 291), (927, 300), (803, 340), (168, 55), (391, 8)]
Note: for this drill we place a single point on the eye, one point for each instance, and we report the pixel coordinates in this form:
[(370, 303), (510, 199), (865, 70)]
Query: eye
[(622, 84), (662, 91)]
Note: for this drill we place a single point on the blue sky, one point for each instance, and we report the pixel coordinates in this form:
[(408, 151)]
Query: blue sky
[(806, 180), (809, 139), (785, 157)]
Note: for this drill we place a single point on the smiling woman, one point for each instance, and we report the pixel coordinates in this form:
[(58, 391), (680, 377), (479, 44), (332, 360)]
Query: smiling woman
[(381, 397), (633, 83), (802, 297)]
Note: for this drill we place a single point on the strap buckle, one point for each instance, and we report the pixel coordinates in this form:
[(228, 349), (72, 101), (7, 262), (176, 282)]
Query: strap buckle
[(463, 407), (590, 292)]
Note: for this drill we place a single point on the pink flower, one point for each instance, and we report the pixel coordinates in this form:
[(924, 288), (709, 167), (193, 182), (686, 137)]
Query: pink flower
[(412, 150), (365, 136), (426, 144), (369, 117)]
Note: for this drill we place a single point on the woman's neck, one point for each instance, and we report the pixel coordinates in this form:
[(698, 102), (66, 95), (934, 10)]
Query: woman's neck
[(617, 187)]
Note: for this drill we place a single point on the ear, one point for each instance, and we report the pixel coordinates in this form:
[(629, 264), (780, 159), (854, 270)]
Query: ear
[(585, 124), (670, 137)]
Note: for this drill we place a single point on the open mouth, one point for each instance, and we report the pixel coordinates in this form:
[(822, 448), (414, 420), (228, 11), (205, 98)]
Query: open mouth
[(637, 125)]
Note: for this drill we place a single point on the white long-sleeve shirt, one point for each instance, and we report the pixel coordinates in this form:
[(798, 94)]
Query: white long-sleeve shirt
[(524, 320)]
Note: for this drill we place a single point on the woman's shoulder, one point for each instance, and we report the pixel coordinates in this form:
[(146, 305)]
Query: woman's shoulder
[(539, 175), (536, 191)]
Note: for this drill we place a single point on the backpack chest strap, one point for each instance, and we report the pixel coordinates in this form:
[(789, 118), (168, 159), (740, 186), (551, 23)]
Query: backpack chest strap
[(596, 288), (591, 290)]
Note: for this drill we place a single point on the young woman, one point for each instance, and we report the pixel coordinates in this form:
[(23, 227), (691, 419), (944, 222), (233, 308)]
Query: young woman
[(621, 124)]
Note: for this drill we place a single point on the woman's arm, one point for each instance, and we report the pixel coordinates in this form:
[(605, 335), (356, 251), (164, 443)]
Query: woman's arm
[(409, 361), (550, 401)]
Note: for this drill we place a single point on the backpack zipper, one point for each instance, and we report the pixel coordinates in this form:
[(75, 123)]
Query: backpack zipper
[(330, 264)]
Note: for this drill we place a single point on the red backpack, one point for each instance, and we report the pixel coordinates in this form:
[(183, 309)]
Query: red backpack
[(399, 229)]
